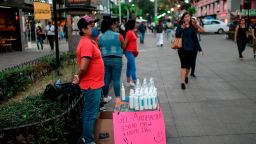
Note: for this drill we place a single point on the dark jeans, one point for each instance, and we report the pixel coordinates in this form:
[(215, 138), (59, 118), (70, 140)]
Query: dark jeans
[(39, 41), (241, 46), (142, 36), (51, 41), (113, 69), (90, 112)]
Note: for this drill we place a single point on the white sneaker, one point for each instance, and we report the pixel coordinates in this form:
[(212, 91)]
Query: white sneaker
[(107, 99), (132, 84), (103, 109)]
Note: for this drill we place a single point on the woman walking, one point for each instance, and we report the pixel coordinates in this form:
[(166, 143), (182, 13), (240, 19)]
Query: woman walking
[(111, 44), (40, 37), (190, 46), (241, 36), (131, 52)]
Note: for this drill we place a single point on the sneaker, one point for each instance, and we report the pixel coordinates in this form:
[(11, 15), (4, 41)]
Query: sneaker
[(103, 109), (107, 99), (132, 84)]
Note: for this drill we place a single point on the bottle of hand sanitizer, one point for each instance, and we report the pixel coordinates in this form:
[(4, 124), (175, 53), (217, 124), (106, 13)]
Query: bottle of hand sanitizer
[(131, 99), (123, 92)]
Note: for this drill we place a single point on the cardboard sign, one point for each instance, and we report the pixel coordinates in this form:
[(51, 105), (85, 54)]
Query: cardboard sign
[(139, 127)]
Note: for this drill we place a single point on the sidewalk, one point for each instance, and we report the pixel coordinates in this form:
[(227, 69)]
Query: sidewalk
[(219, 107), (15, 58)]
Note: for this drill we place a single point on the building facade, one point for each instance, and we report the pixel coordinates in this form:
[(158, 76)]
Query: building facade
[(225, 10)]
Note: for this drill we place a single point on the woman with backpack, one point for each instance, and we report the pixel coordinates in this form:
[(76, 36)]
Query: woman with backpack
[(40, 37)]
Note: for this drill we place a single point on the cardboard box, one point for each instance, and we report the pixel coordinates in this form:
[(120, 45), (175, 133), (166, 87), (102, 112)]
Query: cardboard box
[(104, 131)]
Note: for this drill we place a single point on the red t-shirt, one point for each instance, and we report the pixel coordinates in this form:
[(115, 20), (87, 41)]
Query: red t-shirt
[(94, 77), (131, 41)]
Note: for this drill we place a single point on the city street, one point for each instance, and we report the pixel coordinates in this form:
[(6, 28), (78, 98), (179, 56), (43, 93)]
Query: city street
[(218, 107)]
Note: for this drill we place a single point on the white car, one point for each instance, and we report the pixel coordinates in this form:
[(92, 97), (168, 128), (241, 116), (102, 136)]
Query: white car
[(216, 26)]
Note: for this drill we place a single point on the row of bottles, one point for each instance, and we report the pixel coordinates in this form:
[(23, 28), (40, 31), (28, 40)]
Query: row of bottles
[(143, 97)]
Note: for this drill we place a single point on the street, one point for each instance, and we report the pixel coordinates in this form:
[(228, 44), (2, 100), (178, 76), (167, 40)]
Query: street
[(218, 107)]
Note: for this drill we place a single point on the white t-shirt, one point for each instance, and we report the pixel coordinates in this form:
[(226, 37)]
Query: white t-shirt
[(49, 29)]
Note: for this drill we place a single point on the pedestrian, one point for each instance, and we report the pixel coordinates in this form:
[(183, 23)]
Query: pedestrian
[(90, 77), (131, 52), (111, 46), (159, 34), (198, 29), (40, 37), (122, 28), (49, 30), (65, 30), (142, 30), (190, 46), (169, 28), (241, 37), (254, 38)]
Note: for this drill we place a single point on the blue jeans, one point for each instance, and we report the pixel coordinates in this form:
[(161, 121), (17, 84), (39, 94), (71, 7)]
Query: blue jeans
[(142, 36), (131, 66), (113, 69), (39, 41), (90, 112)]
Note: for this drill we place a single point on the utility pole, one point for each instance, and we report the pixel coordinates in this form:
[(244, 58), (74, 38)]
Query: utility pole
[(120, 14), (155, 17), (56, 36)]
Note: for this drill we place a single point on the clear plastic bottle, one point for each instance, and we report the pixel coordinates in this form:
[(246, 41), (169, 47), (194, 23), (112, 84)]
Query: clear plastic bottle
[(123, 92), (131, 99)]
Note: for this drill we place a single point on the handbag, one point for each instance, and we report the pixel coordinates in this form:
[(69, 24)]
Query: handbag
[(176, 43)]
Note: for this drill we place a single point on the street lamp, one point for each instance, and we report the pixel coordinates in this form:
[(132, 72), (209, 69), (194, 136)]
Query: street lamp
[(178, 5)]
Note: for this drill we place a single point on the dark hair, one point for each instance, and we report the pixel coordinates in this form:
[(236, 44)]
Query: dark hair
[(49, 22), (130, 25), (39, 27), (182, 18), (106, 25), (82, 23)]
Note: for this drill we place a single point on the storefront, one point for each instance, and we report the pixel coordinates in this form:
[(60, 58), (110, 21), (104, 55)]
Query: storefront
[(13, 25), (9, 29)]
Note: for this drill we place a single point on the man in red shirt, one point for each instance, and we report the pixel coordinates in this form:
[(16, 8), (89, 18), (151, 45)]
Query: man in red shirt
[(90, 77)]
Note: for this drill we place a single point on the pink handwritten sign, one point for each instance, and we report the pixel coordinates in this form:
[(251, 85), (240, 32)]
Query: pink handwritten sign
[(139, 127)]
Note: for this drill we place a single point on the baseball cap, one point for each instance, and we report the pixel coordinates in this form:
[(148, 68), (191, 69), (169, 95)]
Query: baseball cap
[(85, 21)]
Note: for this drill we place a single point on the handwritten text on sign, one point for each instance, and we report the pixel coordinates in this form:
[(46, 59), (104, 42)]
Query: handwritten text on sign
[(139, 127)]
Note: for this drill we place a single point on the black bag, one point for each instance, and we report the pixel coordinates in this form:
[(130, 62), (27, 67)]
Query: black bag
[(66, 93), (43, 36), (50, 92)]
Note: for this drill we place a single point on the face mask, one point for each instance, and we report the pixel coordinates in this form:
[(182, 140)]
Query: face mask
[(95, 32)]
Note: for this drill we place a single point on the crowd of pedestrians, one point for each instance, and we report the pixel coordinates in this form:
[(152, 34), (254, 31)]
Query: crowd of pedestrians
[(100, 56)]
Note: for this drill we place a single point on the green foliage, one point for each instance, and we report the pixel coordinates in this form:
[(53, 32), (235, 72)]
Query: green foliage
[(32, 109), (16, 79), (191, 10)]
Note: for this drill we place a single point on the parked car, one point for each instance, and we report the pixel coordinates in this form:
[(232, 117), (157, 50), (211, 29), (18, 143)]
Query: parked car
[(213, 25), (231, 29)]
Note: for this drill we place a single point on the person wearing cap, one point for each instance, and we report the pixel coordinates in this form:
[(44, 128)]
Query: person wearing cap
[(90, 77)]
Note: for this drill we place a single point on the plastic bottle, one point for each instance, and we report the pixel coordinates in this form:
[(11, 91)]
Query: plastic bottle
[(154, 102), (145, 101), (136, 101), (138, 85), (141, 102), (144, 83), (123, 92), (131, 99), (150, 98)]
